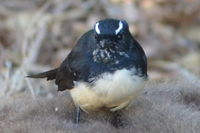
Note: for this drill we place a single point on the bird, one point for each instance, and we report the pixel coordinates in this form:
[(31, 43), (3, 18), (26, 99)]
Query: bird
[(107, 68)]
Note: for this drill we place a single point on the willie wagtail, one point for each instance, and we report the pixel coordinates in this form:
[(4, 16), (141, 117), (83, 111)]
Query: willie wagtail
[(107, 68)]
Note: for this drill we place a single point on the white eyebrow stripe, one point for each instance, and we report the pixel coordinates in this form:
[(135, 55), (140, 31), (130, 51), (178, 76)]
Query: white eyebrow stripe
[(97, 28), (119, 28)]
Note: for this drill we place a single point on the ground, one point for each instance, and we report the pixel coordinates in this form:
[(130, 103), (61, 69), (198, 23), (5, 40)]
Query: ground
[(168, 107)]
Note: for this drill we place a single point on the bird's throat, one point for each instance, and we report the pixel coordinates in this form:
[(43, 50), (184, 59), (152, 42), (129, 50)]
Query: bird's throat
[(103, 55)]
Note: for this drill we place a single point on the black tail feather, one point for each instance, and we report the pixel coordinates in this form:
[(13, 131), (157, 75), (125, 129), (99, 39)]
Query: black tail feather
[(50, 75)]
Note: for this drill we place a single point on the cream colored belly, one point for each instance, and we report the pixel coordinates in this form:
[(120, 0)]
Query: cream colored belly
[(114, 91)]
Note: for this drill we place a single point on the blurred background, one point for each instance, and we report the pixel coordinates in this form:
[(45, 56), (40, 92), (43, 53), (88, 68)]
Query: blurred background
[(36, 35)]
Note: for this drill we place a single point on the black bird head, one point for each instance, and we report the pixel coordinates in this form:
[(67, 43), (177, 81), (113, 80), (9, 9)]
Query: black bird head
[(109, 32)]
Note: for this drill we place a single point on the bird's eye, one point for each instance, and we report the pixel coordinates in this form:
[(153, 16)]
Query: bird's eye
[(96, 36), (119, 37)]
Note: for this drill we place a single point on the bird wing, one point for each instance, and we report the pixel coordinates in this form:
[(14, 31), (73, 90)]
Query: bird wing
[(73, 68)]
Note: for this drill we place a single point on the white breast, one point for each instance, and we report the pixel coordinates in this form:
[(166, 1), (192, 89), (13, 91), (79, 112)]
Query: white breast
[(111, 90)]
